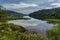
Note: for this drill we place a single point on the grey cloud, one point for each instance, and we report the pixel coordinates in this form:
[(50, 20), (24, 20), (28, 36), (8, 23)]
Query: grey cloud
[(42, 4)]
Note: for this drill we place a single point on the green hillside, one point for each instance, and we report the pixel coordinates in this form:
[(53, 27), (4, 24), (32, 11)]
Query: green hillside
[(46, 14), (14, 32), (12, 13)]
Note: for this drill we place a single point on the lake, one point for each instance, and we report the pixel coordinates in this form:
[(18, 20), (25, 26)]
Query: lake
[(33, 25)]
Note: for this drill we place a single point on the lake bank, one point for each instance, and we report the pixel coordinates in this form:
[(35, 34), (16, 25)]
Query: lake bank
[(33, 25)]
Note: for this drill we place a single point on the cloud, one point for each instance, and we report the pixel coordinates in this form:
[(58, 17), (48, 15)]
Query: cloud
[(51, 0), (29, 6), (40, 1), (27, 11), (56, 4), (20, 5), (48, 7)]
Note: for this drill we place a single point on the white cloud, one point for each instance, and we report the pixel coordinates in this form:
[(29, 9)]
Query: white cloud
[(56, 4), (20, 5), (27, 11), (48, 7)]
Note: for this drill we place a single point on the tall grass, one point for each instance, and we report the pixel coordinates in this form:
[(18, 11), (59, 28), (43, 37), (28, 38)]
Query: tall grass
[(15, 32)]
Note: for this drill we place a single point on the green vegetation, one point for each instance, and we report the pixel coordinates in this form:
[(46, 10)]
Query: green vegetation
[(15, 18), (11, 27), (52, 16), (10, 15), (2, 14), (46, 14), (54, 33), (14, 32), (14, 14), (53, 20)]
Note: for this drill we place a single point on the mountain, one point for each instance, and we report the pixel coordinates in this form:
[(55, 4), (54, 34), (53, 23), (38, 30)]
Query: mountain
[(12, 13), (53, 13)]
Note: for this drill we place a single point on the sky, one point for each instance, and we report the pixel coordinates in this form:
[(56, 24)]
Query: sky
[(29, 6)]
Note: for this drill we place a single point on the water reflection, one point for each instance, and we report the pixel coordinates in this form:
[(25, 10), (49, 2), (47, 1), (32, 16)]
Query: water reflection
[(34, 25)]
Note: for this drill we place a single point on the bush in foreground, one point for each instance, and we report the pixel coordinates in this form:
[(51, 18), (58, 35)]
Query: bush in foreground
[(15, 32), (54, 33)]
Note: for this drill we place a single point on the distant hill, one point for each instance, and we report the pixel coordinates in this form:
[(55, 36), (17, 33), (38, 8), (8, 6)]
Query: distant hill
[(46, 14), (12, 13)]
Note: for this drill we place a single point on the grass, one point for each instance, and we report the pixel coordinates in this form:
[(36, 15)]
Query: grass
[(53, 20), (15, 32), (54, 33), (15, 18)]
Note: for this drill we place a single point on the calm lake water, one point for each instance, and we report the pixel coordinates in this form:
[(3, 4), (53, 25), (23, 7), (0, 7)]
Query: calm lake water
[(33, 25)]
